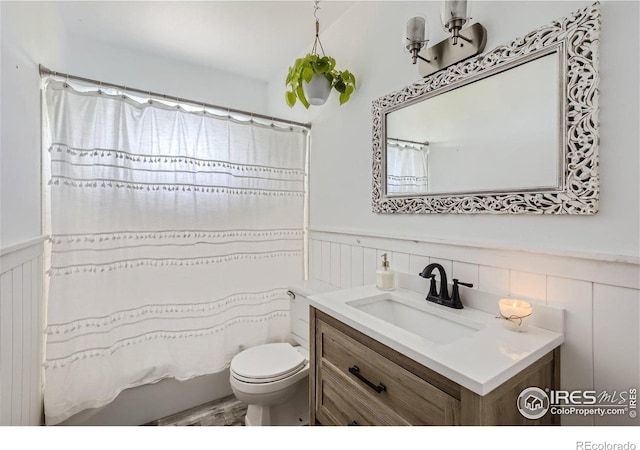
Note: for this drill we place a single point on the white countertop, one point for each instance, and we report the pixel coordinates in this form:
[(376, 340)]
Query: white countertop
[(480, 363)]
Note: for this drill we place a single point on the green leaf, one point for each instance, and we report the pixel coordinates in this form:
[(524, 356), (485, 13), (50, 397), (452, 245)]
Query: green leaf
[(290, 75), (322, 66), (307, 74), (301, 97), (291, 98), (311, 64), (329, 76)]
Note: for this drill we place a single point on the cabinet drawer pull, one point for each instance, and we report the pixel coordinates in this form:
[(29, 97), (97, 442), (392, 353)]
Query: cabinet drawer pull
[(356, 371), (353, 424)]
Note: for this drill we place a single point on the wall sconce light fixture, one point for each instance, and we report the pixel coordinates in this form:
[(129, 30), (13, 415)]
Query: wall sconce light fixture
[(463, 43), (416, 36)]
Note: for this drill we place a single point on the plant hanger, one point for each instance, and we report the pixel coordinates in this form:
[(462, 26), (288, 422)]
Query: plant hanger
[(317, 41), (312, 78)]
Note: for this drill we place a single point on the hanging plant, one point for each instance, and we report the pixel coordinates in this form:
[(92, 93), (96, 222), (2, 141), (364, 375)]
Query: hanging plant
[(312, 78)]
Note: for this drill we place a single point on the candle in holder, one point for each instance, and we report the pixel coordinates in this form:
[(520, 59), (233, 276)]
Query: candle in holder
[(516, 313)]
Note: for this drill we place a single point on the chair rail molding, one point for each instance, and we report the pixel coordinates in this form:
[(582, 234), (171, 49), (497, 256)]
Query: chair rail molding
[(603, 268)]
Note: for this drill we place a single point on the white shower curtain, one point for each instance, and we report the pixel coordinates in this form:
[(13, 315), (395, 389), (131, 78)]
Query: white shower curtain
[(407, 167), (174, 236)]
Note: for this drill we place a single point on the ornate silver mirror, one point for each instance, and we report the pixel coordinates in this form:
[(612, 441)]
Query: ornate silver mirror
[(511, 131)]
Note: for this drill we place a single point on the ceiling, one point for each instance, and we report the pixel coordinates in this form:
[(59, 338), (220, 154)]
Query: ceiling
[(251, 38)]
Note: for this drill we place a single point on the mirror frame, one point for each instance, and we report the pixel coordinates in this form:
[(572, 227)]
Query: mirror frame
[(576, 38)]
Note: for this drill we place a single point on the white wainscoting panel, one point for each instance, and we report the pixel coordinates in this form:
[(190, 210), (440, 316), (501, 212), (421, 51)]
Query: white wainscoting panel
[(401, 261), (21, 325), (493, 279), (345, 266), (335, 264), (528, 286), (326, 262), (616, 344), (466, 273), (315, 260), (576, 362), (600, 294), (417, 263), (369, 265), (357, 256)]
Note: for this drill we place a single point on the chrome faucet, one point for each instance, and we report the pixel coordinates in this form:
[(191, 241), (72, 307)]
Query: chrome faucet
[(442, 297)]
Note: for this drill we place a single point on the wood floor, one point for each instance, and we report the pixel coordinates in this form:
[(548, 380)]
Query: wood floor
[(227, 411)]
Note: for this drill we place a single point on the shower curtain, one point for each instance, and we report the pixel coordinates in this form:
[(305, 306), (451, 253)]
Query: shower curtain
[(407, 167), (174, 236)]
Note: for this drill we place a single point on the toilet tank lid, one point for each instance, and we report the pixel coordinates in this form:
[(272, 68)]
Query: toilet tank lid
[(311, 287)]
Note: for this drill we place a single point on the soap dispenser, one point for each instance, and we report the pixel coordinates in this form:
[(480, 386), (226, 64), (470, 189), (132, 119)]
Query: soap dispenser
[(385, 278)]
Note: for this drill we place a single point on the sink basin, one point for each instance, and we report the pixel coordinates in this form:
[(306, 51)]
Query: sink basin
[(440, 327)]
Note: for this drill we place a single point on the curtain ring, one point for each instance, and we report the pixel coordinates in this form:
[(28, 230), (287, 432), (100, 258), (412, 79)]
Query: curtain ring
[(228, 113), (251, 118), (290, 125), (124, 92), (66, 81), (272, 122), (100, 88)]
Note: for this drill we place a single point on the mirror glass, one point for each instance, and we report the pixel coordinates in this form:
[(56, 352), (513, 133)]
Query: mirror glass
[(500, 133)]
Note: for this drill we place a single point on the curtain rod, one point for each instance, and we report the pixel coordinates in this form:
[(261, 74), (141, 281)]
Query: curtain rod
[(44, 71), (407, 141)]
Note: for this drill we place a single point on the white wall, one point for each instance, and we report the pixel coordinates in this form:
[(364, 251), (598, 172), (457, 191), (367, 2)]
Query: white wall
[(97, 60), (29, 35), (587, 264), (32, 33), (367, 42)]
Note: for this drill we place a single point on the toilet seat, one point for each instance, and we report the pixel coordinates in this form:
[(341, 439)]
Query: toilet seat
[(267, 363)]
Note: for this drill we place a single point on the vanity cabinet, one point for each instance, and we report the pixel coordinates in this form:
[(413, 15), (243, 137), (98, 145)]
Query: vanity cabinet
[(356, 380)]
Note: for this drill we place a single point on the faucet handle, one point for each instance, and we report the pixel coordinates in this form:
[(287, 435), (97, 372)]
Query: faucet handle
[(433, 291), (456, 282), (455, 295)]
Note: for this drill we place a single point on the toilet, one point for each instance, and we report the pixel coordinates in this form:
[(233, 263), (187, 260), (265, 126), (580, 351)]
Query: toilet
[(273, 379)]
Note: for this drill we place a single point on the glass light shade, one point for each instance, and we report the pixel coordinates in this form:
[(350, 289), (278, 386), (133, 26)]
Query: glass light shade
[(415, 33), (454, 10), (416, 27)]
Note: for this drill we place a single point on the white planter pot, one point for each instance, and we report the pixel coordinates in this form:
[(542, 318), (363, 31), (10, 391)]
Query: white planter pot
[(317, 90)]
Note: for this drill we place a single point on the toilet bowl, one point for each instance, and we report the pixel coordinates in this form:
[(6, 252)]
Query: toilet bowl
[(273, 379)]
